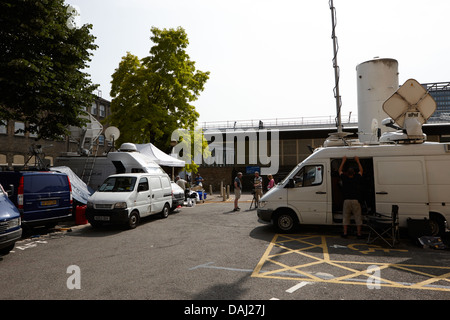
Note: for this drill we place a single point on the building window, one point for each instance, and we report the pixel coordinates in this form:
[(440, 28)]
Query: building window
[(33, 134), (3, 128), (18, 160), (3, 161), (94, 109), (101, 140), (19, 126), (102, 111), (49, 160)]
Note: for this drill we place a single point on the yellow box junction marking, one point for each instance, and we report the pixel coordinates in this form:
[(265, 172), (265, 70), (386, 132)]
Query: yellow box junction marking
[(307, 258)]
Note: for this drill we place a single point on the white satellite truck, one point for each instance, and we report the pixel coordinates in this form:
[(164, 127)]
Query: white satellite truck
[(401, 169), (140, 188)]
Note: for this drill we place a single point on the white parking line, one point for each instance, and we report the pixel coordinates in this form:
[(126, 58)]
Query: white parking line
[(297, 286)]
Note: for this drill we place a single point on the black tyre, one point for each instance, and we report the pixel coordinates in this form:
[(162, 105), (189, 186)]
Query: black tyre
[(133, 220), (6, 250), (437, 224), (165, 211), (285, 222)]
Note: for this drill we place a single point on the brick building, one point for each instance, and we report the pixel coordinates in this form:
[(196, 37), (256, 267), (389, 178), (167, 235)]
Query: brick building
[(18, 148)]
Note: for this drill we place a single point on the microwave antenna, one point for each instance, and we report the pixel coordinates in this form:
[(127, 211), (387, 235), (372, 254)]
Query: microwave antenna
[(339, 135)]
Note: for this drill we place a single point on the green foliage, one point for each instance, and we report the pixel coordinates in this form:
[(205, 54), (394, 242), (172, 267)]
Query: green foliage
[(41, 82), (152, 97), (192, 147)]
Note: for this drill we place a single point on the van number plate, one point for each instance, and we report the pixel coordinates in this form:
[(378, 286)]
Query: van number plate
[(48, 203), (101, 218)]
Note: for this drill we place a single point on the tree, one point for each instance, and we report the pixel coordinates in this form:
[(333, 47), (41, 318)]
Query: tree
[(191, 147), (152, 97), (41, 62)]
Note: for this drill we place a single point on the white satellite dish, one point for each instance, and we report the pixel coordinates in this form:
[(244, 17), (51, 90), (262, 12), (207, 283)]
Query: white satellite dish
[(112, 133), (410, 107), (410, 97)]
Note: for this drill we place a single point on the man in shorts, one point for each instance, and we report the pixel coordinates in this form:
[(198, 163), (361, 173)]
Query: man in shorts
[(351, 183)]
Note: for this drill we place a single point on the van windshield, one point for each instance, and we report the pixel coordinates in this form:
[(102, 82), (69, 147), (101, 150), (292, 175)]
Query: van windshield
[(291, 174), (118, 184)]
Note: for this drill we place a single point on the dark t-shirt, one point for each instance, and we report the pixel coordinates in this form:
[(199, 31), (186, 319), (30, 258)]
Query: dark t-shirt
[(238, 182), (351, 186)]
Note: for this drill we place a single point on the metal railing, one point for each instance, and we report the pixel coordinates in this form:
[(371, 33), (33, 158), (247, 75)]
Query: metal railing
[(303, 122)]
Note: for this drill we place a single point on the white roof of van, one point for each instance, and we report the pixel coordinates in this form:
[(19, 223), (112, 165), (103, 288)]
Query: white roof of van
[(423, 149)]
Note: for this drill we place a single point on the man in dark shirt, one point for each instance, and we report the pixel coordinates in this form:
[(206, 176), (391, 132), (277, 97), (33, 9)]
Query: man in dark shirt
[(237, 190), (351, 183)]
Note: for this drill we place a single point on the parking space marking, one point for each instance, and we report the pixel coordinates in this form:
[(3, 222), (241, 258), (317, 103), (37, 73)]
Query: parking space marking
[(209, 265), (306, 258), (371, 248), (297, 286)]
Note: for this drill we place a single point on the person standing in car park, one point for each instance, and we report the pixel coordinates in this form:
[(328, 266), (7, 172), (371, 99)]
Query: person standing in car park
[(199, 180), (351, 183), (237, 190), (271, 183), (257, 184)]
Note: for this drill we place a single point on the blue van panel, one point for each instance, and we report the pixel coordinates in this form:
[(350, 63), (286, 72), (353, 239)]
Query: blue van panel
[(46, 195), (10, 229)]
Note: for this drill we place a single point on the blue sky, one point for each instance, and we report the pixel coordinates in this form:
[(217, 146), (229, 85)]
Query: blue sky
[(273, 59)]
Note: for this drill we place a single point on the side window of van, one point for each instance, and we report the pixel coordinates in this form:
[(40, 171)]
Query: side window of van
[(309, 176), (165, 183), (143, 184), (155, 183)]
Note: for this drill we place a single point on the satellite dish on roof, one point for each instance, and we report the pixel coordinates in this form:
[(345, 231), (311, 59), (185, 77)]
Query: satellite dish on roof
[(410, 107), (411, 97), (112, 133)]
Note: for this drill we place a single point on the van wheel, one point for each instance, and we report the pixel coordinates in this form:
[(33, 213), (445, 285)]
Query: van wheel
[(437, 224), (285, 222), (133, 220), (6, 250), (165, 211)]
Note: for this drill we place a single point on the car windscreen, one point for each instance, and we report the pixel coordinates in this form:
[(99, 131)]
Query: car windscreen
[(45, 183), (118, 184)]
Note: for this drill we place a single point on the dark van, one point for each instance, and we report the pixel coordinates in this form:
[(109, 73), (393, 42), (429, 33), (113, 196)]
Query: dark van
[(43, 198), (10, 230)]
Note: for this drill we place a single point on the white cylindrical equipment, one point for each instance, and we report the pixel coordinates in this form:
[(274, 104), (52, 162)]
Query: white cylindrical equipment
[(377, 80)]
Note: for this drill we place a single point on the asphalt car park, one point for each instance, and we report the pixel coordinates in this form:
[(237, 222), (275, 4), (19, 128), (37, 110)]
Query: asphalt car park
[(210, 252)]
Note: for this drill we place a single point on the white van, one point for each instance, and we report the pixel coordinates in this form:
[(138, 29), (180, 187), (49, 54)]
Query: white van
[(416, 177), (127, 197)]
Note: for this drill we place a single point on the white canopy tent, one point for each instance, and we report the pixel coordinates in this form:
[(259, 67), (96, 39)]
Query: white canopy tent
[(161, 158)]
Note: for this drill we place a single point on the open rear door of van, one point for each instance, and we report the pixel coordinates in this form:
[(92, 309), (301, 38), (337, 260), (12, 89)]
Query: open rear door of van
[(401, 181)]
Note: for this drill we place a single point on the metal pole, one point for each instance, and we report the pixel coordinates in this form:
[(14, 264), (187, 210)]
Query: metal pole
[(336, 67)]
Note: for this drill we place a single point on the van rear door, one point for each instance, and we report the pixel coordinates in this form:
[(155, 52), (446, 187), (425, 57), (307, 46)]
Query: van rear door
[(401, 181), (45, 196)]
